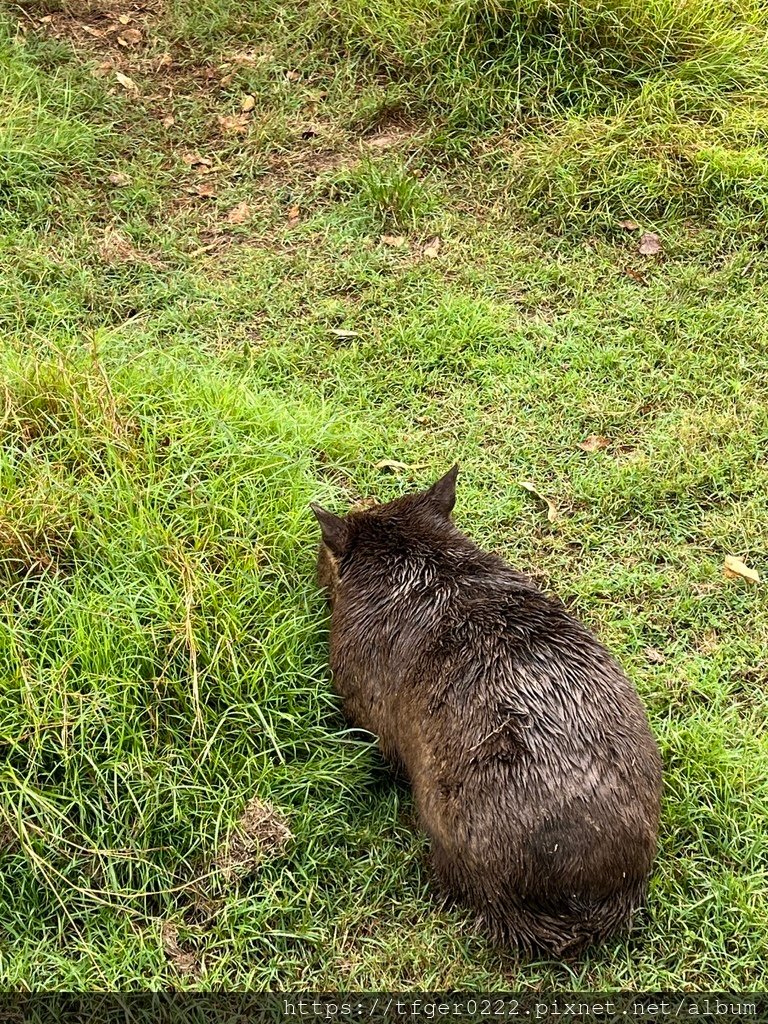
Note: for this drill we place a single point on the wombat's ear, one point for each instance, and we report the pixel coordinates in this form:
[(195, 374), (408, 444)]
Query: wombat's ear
[(443, 493), (334, 529)]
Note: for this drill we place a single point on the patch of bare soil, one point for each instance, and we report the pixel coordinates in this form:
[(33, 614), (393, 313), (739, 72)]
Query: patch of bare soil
[(185, 960), (9, 840), (100, 26), (261, 830), (124, 40), (125, 43), (116, 249), (27, 554)]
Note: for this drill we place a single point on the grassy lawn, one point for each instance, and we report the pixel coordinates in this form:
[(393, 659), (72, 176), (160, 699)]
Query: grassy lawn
[(258, 254)]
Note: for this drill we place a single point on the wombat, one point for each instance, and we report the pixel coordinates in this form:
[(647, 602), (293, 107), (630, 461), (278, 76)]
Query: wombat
[(534, 771)]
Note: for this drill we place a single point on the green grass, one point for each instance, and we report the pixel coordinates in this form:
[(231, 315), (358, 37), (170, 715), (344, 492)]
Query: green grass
[(177, 384)]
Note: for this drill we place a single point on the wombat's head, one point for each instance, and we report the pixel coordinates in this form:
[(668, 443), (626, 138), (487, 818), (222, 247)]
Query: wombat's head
[(379, 532)]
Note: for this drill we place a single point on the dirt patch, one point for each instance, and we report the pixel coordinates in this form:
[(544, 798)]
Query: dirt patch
[(9, 840), (28, 554), (116, 249), (260, 831), (100, 26), (181, 956), (125, 42)]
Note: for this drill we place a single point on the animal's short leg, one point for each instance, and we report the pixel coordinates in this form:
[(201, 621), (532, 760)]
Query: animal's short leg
[(449, 884)]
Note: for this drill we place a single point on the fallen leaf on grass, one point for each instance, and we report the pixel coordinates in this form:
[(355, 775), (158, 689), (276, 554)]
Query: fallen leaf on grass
[(102, 70), (292, 76), (734, 567), (636, 276), (650, 244), (234, 123), (396, 241), (293, 216), (195, 160), (398, 467), (338, 332), (359, 506), (127, 83), (124, 19), (207, 190), (130, 37), (248, 103), (119, 179), (432, 248), (552, 513), (629, 225), (239, 214), (654, 657), (91, 31), (168, 121), (593, 443)]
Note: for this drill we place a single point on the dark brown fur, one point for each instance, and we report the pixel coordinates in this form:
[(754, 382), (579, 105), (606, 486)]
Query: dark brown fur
[(533, 768)]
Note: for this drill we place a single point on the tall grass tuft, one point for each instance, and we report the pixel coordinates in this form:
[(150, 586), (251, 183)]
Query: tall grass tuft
[(605, 106)]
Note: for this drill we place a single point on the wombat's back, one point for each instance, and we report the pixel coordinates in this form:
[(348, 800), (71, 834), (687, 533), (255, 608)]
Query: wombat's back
[(533, 768)]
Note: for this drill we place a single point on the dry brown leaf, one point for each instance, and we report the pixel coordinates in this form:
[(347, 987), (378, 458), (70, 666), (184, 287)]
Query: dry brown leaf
[(164, 61), (734, 567), (593, 443), (432, 248), (654, 657), (234, 122), (127, 83), (205, 189), (650, 244), (168, 121), (629, 225), (124, 19), (292, 76), (294, 215), (239, 214), (195, 160), (228, 79), (248, 103), (396, 241), (91, 31), (119, 179), (130, 37), (357, 506), (552, 513), (636, 276), (339, 332)]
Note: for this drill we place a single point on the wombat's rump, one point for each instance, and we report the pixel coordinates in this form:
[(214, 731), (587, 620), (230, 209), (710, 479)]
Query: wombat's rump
[(533, 768)]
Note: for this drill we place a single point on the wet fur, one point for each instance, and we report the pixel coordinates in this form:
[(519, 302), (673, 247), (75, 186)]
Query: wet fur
[(533, 769)]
